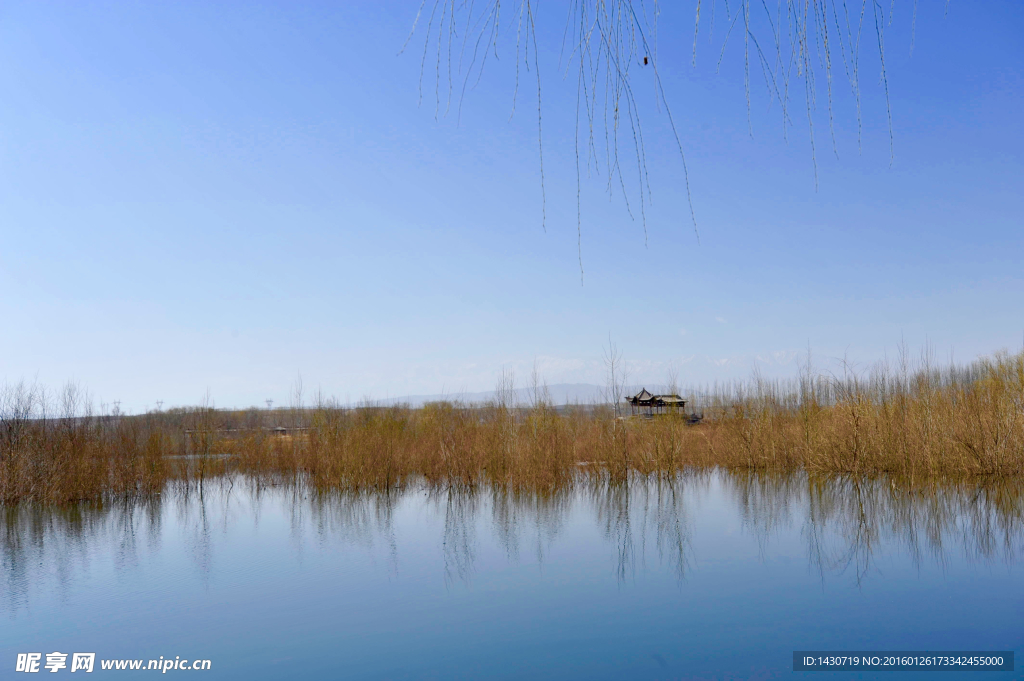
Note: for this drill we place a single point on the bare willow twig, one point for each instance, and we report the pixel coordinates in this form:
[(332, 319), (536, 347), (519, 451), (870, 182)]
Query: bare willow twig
[(602, 42)]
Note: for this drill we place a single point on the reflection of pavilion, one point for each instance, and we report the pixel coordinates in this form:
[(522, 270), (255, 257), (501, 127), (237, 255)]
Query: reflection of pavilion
[(647, 405)]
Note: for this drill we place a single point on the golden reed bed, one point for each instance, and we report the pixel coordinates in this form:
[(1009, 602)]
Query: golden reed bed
[(955, 423)]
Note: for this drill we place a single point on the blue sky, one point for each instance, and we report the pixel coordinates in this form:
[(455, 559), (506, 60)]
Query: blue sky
[(221, 197)]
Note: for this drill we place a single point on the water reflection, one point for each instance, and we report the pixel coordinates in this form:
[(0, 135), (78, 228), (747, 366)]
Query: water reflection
[(540, 517), (850, 521), (844, 523), (58, 542), (634, 511), (847, 522)]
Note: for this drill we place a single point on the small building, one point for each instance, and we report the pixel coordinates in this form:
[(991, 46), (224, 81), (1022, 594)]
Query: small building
[(647, 404), (282, 431)]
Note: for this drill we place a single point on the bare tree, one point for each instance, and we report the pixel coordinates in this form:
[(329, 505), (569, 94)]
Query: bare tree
[(615, 375), (672, 380), (297, 392), (538, 389)]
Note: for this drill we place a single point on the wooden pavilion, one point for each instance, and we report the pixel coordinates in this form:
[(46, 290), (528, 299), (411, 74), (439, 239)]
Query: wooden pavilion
[(648, 405)]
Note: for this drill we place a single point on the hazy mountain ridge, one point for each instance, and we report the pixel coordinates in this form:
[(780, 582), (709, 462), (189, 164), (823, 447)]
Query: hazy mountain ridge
[(558, 394)]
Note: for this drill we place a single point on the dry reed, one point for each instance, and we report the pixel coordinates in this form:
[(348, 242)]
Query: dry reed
[(960, 422)]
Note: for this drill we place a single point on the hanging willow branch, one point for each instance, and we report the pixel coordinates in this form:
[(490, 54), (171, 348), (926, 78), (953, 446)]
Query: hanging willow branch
[(606, 41)]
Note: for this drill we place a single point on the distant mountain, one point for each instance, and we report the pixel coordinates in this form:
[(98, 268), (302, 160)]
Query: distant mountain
[(558, 394)]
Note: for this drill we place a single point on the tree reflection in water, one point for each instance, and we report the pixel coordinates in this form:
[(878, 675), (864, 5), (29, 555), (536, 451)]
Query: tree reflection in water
[(846, 523), (58, 541), (849, 520), (634, 510)]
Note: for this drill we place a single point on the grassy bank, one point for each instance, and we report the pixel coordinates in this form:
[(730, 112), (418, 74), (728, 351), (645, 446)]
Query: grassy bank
[(962, 422)]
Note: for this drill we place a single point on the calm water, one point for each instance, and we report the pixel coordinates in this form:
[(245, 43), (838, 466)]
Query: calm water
[(706, 577)]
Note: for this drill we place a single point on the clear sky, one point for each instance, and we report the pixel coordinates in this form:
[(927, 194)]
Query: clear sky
[(223, 196)]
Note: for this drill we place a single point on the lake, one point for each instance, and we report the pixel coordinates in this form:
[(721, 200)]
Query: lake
[(708, 575)]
